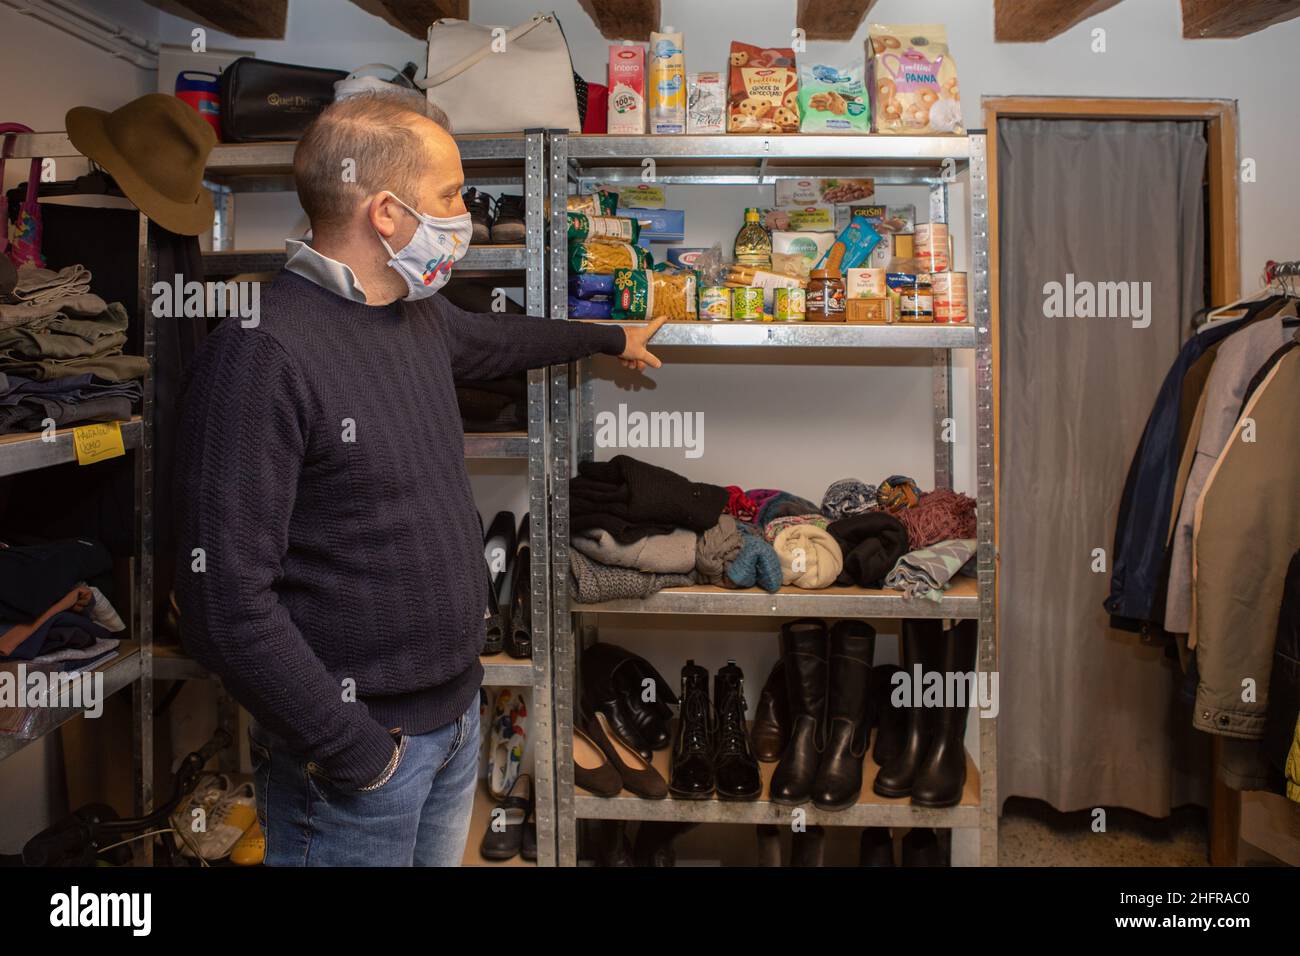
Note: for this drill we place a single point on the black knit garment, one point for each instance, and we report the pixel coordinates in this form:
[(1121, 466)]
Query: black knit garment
[(321, 471)]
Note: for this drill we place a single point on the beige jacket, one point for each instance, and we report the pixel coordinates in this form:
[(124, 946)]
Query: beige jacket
[(1247, 526)]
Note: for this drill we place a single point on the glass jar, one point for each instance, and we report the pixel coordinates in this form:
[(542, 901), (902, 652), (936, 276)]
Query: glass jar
[(826, 296)]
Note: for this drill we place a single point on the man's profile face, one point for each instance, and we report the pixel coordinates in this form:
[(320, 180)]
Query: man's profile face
[(441, 182)]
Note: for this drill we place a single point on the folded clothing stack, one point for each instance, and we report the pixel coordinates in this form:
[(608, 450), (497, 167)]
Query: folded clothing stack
[(61, 353)]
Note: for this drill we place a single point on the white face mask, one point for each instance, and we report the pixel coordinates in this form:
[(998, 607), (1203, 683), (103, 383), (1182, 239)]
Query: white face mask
[(425, 262)]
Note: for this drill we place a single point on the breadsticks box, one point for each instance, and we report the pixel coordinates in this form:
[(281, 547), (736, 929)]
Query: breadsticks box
[(627, 90), (763, 92), (913, 80)]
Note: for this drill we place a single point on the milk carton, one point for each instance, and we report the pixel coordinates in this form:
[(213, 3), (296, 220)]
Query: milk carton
[(627, 90)]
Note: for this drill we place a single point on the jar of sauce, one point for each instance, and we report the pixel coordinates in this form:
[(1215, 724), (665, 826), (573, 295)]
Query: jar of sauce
[(826, 296)]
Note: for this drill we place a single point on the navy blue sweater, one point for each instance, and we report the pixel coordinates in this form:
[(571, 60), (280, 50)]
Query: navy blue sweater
[(321, 470)]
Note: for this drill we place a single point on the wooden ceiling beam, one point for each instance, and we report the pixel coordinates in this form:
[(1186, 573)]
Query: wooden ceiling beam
[(1223, 19), (258, 20), (831, 19), (623, 19), (413, 17), (1033, 21)]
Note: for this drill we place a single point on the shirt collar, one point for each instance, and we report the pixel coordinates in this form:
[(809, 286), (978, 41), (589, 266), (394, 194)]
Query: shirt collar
[(327, 273)]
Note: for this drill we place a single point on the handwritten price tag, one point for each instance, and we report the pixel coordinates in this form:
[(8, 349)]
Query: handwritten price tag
[(98, 442)]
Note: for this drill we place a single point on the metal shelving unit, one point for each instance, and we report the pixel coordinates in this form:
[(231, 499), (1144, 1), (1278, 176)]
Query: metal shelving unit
[(934, 162)]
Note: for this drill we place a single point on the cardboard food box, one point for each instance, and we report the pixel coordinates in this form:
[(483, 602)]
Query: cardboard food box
[(627, 79)]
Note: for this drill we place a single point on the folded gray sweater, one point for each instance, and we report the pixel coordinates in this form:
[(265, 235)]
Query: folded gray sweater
[(593, 583), (672, 553)]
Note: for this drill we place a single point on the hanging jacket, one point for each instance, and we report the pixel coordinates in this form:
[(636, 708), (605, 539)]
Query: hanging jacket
[(1284, 682), (1141, 527)]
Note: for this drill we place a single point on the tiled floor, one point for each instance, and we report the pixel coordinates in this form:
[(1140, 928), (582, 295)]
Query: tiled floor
[(1033, 834)]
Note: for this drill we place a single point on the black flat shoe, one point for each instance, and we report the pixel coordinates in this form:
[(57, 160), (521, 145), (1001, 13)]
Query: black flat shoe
[(504, 836)]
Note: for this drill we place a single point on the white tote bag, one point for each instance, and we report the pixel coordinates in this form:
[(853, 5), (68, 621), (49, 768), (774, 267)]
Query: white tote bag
[(515, 80)]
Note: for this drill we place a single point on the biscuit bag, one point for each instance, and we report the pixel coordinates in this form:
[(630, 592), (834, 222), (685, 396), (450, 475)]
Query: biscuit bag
[(763, 92), (913, 80), (832, 100)]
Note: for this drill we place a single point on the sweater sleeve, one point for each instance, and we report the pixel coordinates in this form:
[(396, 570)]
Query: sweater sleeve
[(486, 345), (243, 440)]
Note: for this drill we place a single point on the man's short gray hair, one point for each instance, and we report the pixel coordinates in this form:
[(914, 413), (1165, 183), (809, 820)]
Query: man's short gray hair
[(358, 146)]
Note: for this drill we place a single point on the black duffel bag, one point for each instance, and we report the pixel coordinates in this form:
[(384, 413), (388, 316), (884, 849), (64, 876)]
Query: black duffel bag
[(262, 101)]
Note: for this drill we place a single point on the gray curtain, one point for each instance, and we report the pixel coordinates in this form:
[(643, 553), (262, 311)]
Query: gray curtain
[(1089, 716)]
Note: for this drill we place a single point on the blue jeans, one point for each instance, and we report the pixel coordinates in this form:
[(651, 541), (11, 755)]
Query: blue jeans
[(420, 817)]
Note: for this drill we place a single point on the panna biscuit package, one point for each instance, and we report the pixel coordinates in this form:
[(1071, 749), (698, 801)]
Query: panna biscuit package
[(913, 80)]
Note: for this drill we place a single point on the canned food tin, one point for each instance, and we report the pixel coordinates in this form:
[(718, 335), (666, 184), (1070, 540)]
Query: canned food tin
[(932, 246), (789, 305), (949, 296), (715, 303), (747, 303)]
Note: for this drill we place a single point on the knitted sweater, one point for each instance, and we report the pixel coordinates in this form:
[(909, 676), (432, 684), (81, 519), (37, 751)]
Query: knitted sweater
[(321, 471)]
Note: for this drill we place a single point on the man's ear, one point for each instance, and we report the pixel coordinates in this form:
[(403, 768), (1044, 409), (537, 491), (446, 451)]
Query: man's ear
[(381, 212)]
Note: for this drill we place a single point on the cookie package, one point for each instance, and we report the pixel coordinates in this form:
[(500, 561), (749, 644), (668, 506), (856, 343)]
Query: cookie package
[(832, 100), (913, 80), (763, 90)]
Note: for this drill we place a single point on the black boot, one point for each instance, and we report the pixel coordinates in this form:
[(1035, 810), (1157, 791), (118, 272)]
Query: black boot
[(769, 844), (922, 642), (734, 766), (942, 774), (653, 845), (611, 843), (519, 638), (808, 848), (771, 729), (891, 721), (921, 848), (804, 646), (876, 848), (839, 774), (692, 768)]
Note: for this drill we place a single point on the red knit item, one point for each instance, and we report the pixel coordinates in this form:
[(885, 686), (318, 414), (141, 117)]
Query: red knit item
[(739, 505), (939, 516)]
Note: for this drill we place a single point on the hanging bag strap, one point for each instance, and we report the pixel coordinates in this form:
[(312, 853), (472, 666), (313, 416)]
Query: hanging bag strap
[(457, 69)]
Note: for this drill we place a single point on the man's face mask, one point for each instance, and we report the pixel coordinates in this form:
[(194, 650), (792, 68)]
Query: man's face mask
[(425, 262)]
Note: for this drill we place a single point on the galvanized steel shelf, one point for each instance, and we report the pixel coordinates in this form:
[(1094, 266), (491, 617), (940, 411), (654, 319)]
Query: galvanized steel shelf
[(485, 445), (29, 451), (933, 162)]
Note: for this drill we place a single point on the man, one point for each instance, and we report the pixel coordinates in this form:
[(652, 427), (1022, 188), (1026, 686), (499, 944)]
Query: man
[(335, 579)]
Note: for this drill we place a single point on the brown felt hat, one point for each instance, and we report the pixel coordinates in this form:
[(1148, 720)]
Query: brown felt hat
[(155, 147)]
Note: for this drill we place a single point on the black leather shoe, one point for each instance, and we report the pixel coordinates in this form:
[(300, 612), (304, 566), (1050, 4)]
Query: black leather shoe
[(494, 628), (808, 848), (771, 729), (804, 648), (519, 636), (922, 644), (839, 774), (692, 773), (941, 776), (612, 848), (921, 848), (734, 767), (612, 684), (504, 836), (876, 847), (653, 845), (891, 721)]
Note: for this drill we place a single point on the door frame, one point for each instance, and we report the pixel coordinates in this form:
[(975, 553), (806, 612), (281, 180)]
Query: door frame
[(1224, 252)]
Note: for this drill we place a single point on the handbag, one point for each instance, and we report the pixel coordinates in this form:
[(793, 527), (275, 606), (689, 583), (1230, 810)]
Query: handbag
[(373, 78), (21, 240), (502, 84), (263, 101)]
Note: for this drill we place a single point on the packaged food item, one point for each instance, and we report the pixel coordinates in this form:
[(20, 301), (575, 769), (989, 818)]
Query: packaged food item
[(738, 275), (649, 294), (826, 296), (706, 103), (865, 283), (684, 257), (601, 203), (591, 286), (873, 310), (618, 228), (667, 82), (913, 79), (932, 246), (627, 90), (795, 253), (949, 292), (818, 218), (915, 299), (590, 308), (601, 256), (715, 303), (763, 90), (746, 304), (808, 192), (789, 305), (660, 225), (832, 100), (753, 245), (641, 196), (852, 247)]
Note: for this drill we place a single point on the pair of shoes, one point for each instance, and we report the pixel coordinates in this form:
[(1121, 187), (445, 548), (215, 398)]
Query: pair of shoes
[(826, 680), (216, 815), (507, 554), (930, 765), (506, 739), (512, 827), (616, 683), (621, 761), (711, 750), (494, 220)]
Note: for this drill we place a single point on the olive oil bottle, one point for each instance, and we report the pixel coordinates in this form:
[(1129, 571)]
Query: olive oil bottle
[(753, 242)]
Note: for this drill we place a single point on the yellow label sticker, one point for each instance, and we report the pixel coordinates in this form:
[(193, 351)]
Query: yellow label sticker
[(640, 197), (98, 442)]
